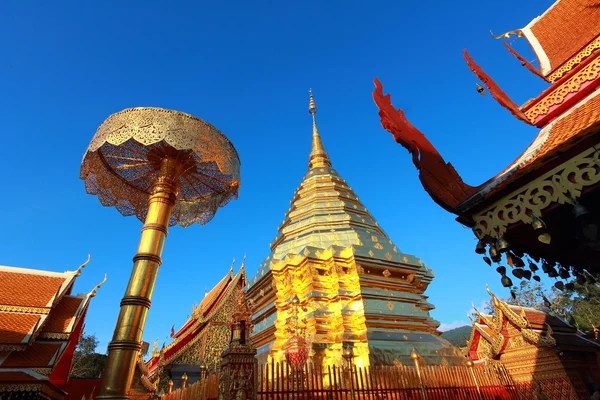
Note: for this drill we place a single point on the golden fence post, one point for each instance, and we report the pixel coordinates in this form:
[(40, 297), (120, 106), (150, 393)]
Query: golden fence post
[(415, 358), (348, 354), (471, 365), (170, 386), (184, 379)]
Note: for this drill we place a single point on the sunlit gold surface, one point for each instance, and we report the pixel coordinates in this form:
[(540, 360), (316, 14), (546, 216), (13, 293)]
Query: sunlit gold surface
[(121, 163), (127, 338), (351, 279), (166, 168)]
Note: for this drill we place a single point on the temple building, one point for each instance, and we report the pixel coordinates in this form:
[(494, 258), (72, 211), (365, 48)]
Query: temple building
[(545, 203), (197, 346), (352, 283), (535, 346), (41, 323)]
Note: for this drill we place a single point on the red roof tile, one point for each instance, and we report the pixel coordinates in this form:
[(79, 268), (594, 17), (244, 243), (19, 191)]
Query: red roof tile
[(30, 290), (62, 314), (566, 28), (38, 355), (15, 376), (14, 327)]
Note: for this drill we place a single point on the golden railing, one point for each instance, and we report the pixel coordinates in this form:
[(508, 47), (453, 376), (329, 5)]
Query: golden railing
[(277, 381), (429, 382), (204, 389)]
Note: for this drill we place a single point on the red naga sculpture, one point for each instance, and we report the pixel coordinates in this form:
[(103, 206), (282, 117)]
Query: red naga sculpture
[(438, 177)]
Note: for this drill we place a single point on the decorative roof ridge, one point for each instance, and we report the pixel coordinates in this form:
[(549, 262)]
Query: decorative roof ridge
[(513, 317), (83, 306), (197, 321), (439, 178)]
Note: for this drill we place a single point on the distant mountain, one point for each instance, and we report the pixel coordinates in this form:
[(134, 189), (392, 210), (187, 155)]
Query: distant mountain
[(458, 336)]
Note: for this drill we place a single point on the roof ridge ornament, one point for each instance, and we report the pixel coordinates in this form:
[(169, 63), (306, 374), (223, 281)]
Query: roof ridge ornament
[(78, 271), (517, 32), (439, 178), (98, 286), (318, 155)]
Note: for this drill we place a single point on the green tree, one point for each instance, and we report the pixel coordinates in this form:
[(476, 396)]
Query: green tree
[(87, 364)]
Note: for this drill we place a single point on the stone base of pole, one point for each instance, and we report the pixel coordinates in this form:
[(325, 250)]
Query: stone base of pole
[(238, 374)]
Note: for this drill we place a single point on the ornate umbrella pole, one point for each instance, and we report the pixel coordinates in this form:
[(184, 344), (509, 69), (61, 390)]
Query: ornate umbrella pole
[(167, 168)]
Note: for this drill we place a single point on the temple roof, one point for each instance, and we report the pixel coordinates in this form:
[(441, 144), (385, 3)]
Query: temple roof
[(563, 133), (536, 327), (201, 315), (326, 212), (546, 33), (40, 323)]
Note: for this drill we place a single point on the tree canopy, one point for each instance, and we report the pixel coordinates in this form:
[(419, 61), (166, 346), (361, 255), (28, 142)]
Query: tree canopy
[(87, 363)]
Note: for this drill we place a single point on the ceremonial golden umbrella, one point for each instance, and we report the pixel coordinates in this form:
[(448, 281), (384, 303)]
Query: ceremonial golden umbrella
[(167, 168)]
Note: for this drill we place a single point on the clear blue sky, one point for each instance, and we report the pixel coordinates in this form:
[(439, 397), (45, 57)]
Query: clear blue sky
[(246, 67)]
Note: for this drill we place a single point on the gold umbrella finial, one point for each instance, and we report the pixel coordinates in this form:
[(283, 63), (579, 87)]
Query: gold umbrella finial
[(318, 155)]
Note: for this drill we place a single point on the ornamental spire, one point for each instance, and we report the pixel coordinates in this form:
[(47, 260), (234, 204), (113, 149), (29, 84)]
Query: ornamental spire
[(318, 155)]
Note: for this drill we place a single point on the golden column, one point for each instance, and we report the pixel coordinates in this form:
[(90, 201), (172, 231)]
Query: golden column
[(167, 168)]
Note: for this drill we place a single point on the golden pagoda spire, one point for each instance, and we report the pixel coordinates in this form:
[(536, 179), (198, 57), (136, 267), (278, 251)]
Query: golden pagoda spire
[(318, 155)]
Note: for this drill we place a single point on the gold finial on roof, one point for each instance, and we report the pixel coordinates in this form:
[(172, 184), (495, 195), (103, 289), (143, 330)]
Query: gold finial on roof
[(318, 155), (95, 289), (78, 271)]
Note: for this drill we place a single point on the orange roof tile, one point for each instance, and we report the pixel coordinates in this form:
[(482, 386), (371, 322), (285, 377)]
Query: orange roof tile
[(38, 355), (62, 314), (566, 28), (28, 289), (572, 126), (566, 132), (14, 327)]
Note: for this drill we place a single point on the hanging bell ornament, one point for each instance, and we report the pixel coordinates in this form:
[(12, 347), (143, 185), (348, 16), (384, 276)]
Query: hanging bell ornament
[(563, 273), (480, 89), (552, 273), (539, 228), (527, 274), (545, 267), (487, 260), (570, 286), (501, 270), (533, 267), (590, 279), (536, 278), (480, 247), (518, 262), (581, 280), (559, 285), (494, 254), (578, 209), (506, 282), (502, 245), (518, 273)]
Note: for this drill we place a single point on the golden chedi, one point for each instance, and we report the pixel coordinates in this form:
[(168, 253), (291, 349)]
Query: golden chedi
[(353, 283)]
